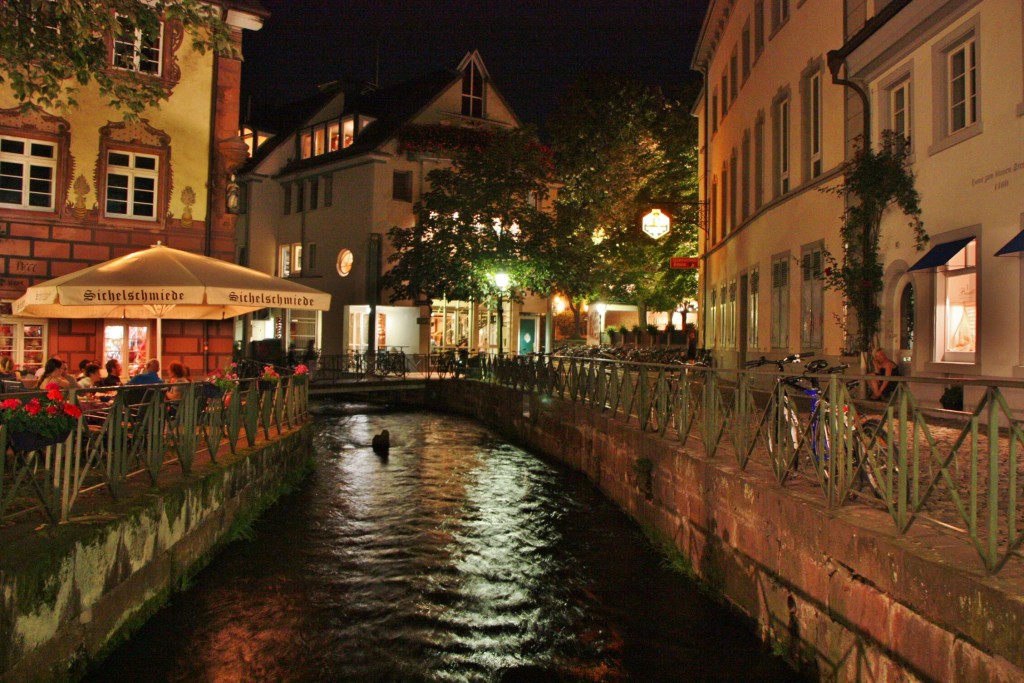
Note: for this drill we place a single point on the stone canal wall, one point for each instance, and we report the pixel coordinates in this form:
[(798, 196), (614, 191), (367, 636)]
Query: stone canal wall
[(70, 593), (836, 592)]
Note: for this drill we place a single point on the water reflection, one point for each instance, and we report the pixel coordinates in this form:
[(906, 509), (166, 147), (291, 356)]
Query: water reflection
[(456, 558)]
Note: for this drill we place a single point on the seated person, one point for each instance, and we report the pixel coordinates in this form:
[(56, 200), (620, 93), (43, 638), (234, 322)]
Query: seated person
[(91, 377), (880, 389), (29, 379), (6, 368), (113, 378), (55, 372), (150, 376), (178, 373)]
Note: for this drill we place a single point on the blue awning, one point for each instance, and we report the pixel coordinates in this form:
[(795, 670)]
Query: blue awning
[(940, 254), (1013, 246)]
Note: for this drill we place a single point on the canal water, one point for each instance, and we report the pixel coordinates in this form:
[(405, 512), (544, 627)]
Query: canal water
[(459, 557)]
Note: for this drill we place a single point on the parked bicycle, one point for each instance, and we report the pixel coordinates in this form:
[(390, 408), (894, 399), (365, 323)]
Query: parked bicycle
[(386, 363), (785, 428)]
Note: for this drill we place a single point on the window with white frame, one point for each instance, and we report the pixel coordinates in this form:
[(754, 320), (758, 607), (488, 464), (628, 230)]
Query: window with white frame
[(780, 301), (759, 161), (714, 211), (758, 27), (962, 86), (957, 86), (472, 92), (745, 50), (780, 13), (734, 180), (712, 318), (732, 322), (781, 146), (24, 342), (753, 301), (725, 93), (289, 259), (814, 123), (726, 226), (137, 48), (723, 309), (734, 79), (899, 108), (314, 193), (131, 189), (956, 289), (811, 297), (745, 184), (28, 173), (328, 181)]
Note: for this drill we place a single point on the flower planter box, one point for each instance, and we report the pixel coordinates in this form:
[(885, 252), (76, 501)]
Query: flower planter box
[(30, 441)]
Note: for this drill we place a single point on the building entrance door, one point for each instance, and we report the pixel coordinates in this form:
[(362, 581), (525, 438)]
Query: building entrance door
[(527, 335)]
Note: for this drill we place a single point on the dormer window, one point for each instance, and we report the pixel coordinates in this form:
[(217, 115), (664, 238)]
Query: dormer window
[(330, 136), (137, 49), (472, 92)]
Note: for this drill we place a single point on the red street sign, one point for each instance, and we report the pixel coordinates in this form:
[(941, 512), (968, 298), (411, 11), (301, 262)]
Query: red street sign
[(683, 263)]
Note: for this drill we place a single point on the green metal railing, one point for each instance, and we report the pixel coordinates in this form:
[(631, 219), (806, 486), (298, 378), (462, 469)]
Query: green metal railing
[(960, 469), (139, 431)]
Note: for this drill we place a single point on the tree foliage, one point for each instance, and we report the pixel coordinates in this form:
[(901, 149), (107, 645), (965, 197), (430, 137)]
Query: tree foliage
[(50, 49), (480, 216), (874, 181), (622, 147)]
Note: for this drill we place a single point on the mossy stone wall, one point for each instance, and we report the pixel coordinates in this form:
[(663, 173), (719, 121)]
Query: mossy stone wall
[(70, 593)]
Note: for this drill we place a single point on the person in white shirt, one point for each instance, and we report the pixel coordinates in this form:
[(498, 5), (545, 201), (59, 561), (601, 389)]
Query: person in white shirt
[(91, 377)]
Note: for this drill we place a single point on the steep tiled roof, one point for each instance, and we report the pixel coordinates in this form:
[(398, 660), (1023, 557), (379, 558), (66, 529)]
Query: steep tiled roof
[(391, 107)]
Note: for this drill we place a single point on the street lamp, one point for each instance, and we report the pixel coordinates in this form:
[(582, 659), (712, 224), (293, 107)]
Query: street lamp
[(501, 281)]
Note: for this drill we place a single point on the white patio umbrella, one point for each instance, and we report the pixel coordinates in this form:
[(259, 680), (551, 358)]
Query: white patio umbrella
[(160, 283)]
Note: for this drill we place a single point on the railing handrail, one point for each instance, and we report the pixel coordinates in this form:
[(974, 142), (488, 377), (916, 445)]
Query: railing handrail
[(914, 467), (138, 429)]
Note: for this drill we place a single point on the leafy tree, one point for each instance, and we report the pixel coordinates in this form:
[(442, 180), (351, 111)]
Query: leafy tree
[(50, 49), (620, 148), (874, 181), (480, 217)]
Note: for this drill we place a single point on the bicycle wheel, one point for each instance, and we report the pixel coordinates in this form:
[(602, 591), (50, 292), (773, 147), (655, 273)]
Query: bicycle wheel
[(784, 429), (884, 470)]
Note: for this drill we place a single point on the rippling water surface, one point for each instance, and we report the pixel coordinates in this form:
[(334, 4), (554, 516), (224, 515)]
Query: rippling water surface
[(457, 558)]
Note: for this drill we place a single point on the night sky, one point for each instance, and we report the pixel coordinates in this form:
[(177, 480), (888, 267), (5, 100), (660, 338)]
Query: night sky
[(533, 49)]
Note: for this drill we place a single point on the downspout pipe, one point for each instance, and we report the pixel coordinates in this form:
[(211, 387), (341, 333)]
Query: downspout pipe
[(836, 61), (707, 218)]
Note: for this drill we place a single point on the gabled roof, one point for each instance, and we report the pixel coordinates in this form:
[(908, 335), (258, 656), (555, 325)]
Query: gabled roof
[(392, 108)]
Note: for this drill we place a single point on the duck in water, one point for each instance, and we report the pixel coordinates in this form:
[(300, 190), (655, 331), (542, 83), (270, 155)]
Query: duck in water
[(382, 442)]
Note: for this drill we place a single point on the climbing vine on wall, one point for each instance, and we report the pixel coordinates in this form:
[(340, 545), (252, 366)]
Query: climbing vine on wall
[(874, 181)]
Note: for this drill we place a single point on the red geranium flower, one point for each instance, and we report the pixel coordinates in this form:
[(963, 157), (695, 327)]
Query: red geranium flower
[(55, 394), (52, 410)]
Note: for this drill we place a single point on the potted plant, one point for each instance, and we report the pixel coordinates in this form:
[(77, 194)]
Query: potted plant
[(40, 422), (637, 331), (652, 333), (624, 331), (269, 379), (613, 335), (670, 333)]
